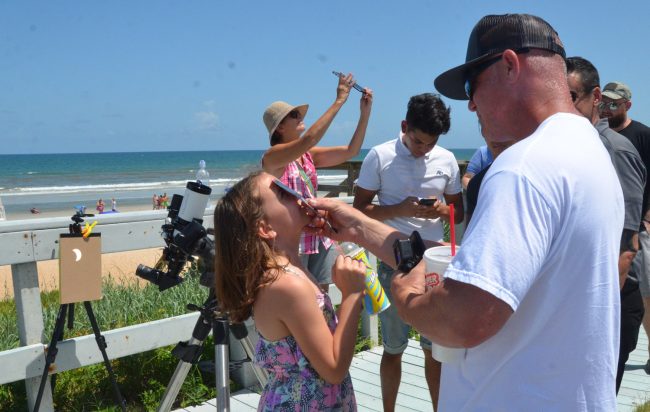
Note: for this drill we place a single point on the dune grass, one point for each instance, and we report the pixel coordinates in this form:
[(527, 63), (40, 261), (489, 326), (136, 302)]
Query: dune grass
[(143, 377)]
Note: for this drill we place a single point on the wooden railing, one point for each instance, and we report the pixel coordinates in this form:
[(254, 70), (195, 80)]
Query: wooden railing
[(352, 169), (26, 242)]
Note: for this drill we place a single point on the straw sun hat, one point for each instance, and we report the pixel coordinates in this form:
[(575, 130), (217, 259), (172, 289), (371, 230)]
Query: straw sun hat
[(277, 111)]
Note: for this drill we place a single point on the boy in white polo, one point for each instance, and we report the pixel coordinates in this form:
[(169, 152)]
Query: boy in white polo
[(401, 172)]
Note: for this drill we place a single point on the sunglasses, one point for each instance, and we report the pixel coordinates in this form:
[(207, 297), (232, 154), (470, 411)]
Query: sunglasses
[(474, 72), (294, 114), (612, 106)]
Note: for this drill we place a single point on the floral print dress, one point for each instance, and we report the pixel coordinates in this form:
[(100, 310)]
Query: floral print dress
[(294, 385)]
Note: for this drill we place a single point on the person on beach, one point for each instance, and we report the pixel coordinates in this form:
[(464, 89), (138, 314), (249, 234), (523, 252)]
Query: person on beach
[(584, 85), (100, 206), (113, 205), (400, 172), (617, 102), (533, 292), (155, 202), (305, 346), (294, 156)]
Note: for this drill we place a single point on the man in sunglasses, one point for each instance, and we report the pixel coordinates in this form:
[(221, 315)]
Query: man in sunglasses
[(584, 86), (617, 101), (533, 292)]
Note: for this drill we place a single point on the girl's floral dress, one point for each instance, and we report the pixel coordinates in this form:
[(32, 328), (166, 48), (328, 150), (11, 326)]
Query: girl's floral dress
[(294, 385)]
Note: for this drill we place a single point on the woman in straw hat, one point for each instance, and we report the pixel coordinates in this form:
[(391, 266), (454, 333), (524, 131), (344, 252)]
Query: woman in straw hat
[(294, 156)]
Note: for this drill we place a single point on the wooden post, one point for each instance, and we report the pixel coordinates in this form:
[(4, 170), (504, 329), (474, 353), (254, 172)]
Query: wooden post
[(29, 314)]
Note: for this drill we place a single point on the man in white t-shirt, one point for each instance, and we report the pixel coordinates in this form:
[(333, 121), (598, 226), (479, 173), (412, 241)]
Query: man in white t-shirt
[(533, 292), (401, 172)]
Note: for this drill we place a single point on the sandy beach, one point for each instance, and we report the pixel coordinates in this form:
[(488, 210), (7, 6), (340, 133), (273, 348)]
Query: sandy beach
[(26, 214), (119, 266)]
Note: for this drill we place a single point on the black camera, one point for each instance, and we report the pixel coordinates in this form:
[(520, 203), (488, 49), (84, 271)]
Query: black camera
[(185, 237), (408, 252)]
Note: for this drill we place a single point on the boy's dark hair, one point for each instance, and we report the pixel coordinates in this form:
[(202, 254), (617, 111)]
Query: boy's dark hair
[(427, 113), (586, 70)]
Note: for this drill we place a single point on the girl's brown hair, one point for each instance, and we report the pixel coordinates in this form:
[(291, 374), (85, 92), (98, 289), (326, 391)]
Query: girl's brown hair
[(243, 259)]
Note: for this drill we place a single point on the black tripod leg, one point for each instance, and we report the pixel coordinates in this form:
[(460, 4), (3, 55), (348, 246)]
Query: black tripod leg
[(57, 335), (60, 338), (101, 343)]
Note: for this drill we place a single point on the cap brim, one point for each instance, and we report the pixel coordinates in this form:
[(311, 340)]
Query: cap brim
[(451, 83), (612, 95)]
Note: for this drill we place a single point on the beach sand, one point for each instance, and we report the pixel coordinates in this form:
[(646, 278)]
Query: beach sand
[(68, 212), (120, 266)]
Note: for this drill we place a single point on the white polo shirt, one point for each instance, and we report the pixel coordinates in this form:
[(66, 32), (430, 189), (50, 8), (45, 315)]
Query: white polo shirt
[(395, 174)]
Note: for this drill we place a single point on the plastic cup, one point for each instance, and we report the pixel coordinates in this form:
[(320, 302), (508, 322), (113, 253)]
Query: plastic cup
[(437, 259)]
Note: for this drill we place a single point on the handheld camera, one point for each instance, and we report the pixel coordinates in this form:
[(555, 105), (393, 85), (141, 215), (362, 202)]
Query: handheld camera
[(185, 237), (408, 252)]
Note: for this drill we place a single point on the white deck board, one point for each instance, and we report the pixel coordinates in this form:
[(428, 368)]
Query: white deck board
[(414, 395)]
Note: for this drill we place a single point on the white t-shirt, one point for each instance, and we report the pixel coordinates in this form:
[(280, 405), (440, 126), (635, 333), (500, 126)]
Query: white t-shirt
[(544, 239), (392, 171)]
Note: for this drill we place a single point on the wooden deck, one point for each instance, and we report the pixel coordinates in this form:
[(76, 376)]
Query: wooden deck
[(413, 392)]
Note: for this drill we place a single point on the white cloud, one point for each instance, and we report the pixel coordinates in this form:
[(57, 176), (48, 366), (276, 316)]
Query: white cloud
[(206, 121)]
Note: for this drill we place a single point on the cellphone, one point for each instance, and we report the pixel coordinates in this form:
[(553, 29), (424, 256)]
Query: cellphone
[(355, 86), (427, 201)]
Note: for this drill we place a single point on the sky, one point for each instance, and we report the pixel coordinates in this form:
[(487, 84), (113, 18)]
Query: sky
[(126, 76)]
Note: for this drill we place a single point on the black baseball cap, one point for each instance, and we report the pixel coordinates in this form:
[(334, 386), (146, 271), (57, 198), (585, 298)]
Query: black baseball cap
[(495, 34)]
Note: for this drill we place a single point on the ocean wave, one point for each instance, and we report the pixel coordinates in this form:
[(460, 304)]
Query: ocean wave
[(135, 186), (23, 191)]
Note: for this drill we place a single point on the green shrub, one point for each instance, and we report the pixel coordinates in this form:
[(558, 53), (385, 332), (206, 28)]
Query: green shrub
[(142, 378)]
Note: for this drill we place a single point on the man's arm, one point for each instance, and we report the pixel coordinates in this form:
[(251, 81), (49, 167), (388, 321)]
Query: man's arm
[(363, 201), (466, 178), (453, 314)]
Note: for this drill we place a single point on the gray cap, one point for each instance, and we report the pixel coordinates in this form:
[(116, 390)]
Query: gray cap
[(617, 90)]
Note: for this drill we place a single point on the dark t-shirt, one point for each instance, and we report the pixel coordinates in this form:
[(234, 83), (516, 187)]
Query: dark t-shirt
[(639, 135), (471, 195), (630, 170)]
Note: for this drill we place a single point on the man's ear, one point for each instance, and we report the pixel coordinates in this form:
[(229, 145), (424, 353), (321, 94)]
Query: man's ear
[(404, 126), (265, 231), (512, 64), (598, 96), (628, 105)]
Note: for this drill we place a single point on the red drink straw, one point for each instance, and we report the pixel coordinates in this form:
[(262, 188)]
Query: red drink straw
[(452, 230)]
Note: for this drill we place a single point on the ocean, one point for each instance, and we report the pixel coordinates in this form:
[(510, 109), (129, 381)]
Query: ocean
[(61, 182)]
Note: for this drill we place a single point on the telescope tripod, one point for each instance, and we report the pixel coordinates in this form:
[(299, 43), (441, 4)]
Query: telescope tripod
[(58, 336), (189, 352)]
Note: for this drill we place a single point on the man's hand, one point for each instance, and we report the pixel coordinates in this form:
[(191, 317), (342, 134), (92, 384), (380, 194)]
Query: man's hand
[(343, 217), (407, 286)]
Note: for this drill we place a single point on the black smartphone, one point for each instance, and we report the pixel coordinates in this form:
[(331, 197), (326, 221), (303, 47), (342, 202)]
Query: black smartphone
[(427, 201)]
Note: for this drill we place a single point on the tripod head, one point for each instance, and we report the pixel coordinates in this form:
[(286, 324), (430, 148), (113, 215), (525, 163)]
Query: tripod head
[(185, 237), (77, 220)]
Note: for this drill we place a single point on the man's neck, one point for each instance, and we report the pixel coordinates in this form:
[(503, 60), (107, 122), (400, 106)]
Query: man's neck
[(623, 125)]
